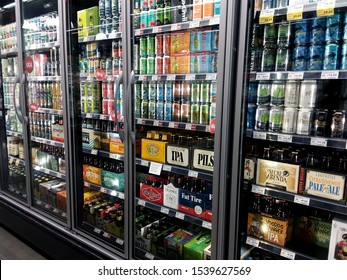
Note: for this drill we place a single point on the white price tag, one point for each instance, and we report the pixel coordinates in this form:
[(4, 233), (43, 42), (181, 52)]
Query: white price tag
[(55, 210), (194, 24), (266, 16), (97, 230), (285, 138), (164, 210), (325, 8), (190, 77), (171, 77), (207, 225), (171, 125), (174, 27), (139, 121), (155, 30), (302, 200), (321, 142), (252, 241), (137, 32), (192, 173), (211, 77), (258, 190), (214, 21), (47, 206), (180, 216), (154, 78), (259, 135), (141, 202), (38, 202), (294, 12), (63, 214), (287, 254), (94, 152), (295, 75), (330, 75), (156, 123), (121, 195), (188, 126), (155, 168), (262, 76), (89, 116), (119, 241), (149, 256), (167, 168), (103, 190), (114, 156), (144, 163), (106, 235)]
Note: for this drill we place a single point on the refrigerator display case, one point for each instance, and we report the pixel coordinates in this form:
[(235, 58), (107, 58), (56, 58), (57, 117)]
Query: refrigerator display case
[(291, 181)]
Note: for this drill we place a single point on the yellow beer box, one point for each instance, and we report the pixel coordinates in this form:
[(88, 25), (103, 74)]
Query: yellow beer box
[(116, 144), (327, 185), (92, 174), (278, 175), (82, 23), (153, 150)]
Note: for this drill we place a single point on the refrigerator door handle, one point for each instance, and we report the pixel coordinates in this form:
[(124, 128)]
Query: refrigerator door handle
[(129, 103), (14, 99), (22, 96), (116, 89)]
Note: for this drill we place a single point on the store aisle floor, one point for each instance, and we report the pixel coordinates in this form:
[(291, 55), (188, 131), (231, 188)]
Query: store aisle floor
[(11, 248)]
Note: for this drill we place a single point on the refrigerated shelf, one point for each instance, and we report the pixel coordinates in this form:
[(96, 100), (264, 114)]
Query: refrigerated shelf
[(104, 190), (50, 208), (42, 46), (103, 154), (49, 172), (178, 77), (10, 52), (144, 255), (96, 116), (174, 213), (9, 79), (100, 37), (43, 78), (47, 111), (298, 75), (15, 160), (88, 78), (48, 142), (14, 133)]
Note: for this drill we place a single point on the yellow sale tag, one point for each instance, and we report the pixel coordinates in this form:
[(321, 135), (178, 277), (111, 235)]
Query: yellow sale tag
[(266, 16), (325, 8), (295, 12)]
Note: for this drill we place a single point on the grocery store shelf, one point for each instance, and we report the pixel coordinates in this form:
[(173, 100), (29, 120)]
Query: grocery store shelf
[(10, 52), (298, 75), (42, 46), (100, 37), (178, 26), (49, 172), (9, 79), (177, 170), (50, 208), (15, 160), (48, 142), (104, 190), (280, 251), (14, 133), (96, 116), (18, 193), (311, 201), (43, 78), (103, 154), (89, 78), (47, 111), (174, 213), (337, 143), (143, 255), (176, 125), (178, 77)]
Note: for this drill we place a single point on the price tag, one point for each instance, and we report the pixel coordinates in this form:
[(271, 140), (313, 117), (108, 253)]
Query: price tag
[(89, 116), (294, 12), (325, 8), (174, 27), (258, 190), (194, 24), (139, 121), (155, 78), (164, 210), (156, 123), (171, 77), (211, 77), (144, 163), (119, 241), (262, 76), (190, 77), (167, 168), (180, 216), (295, 75), (55, 210), (252, 241), (287, 254), (171, 125), (137, 32), (321, 142), (267, 16), (17, 162), (121, 195), (141, 202), (38, 202), (285, 138), (302, 200), (106, 235), (259, 135), (47, 206), (103, 190), (155, 30), (188, 126), (114, 156), (330, 75), (155, 168), (63, 214), (214, 21), (192, 173), (149, 256), (206, 224)]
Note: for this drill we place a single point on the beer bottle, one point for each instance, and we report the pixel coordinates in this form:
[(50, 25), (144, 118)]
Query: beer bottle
[(342, 168), (266, 153), (149, 135), (268, 207), (310, 160), (326, 163), (279, 155)]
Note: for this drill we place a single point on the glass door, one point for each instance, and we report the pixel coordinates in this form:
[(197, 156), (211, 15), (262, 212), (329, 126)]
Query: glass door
[(293, 153), (174, 60)]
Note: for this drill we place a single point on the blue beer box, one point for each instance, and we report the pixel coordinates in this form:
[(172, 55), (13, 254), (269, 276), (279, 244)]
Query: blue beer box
[(114, 181), (192, 203), (201, 63), (201, 40)]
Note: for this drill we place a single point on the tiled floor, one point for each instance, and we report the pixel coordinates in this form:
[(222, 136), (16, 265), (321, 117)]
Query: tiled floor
[(11, 248)]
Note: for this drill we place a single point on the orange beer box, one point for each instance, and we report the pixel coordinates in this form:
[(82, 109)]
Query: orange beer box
[(327, 185), (92, 174), (116, 144), (278, 175), (180, 42), (180, 63), (268, 228)]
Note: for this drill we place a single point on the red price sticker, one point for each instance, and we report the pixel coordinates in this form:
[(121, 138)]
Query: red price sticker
[(100, 74), (29, 64)]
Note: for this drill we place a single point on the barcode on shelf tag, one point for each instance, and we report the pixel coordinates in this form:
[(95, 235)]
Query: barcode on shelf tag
[(171, 125), (262, 76), (17, 162), (119, 241), (192, 173), (302, 200), (155, 168), (38, 202), (89, 116), (97, 230), (190, 77), (104, 190), (141, 202), (94, 152), (55, 210), (63, 214), (206, 224), (171, 77), (252, 241), (144, 163), (330, 75), (137, 32), (154, 77), (47, 206), (321, 142), (287, 254), (295, 75), (114, 156), (149, 256), (285, 138), (214, 20), (194, 24), (164, 210), (188, 126), (259, 135), (258, 189), (180, 216), (167, 168)]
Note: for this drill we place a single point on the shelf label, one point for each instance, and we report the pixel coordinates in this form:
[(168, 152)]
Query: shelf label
[(252, 241), (97, 230), (330, 75), (321, 142), (295, 75), (149, 256), (167, 168), (17, 162), (211, 77), (155, 30), (194, 24), (190, 77), (139, 121), (164, 210), (287, 254), (11, 160), (119, 241), (103, 190), (174, 27), (155, 78), (121, 195), (55, 210), (214, 21), (192, 173), (262, 76), (156, 123), (38, 202), (180, 216), (258, 189), (155, 168), (171, 77), (188, 126), (285, 138), (144, 163), (94, 152), (106, 235), (171, 125), (325, 8), (141, 202), (302, 200), (294, 12), (267, 16), (259, 135), (206, 224), (114, 156)]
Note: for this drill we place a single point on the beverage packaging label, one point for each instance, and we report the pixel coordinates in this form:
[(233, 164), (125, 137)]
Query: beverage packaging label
[(171, 195), (207, 252), (82, 23), (338, 240), (203, 160), (116, 145), (194, 249), (114, 181), (153, 150), (178, 155), (209, 196), (87, 137), (249, 169), (92, 21), (92, 174), (192, 203), (175, 242), (152, 194)]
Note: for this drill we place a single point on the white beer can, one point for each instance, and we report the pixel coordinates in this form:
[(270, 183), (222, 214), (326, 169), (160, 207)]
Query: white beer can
[(290, 117), (291, 94), (304, 122), (308, 94)]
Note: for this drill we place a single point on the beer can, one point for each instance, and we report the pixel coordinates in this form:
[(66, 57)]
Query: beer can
[(256, 37), (168, 111), (338, 123), (144, 19), (158, 64), (115, 24), (150, 65), (166, 44), (101, 8), (291, 94), (277, 93), (160, 110), (282, 59), (194, 113), (280, 3), (160, 91), (84, 104), (195, 92), (143, 46), (344, 38), (205, 92), (308, 94), (284, 35), (152, 18), (316, 54), (317, 30), (166, 64), (108, 8), (270, 35), (304, 121), (168, 91), (144, 91), (185, 112), (103, 26), (213, 91), (290, 116), (151, 46), (144, 109), (176, 111), (215, 40), (176, 96), (138, 92), (268, 4), (115, 7), (152, 109), (320, 126), (333, 28), (185, 92), (108, 25), (108, 66), (263, 93), (159, 50), (110, 90), (302, 32), (152, 91), (144, 4), (213, 112), (255, 59), (251, 110), (138, 108), (143, 66), (331, 57), (262, 118), (252, 92), (103, 64), (115, 66), (167, 14), (204, 114), (268, 59), (276, 118), (160, 15), (344, 57), (300, 58), (110, 107)]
